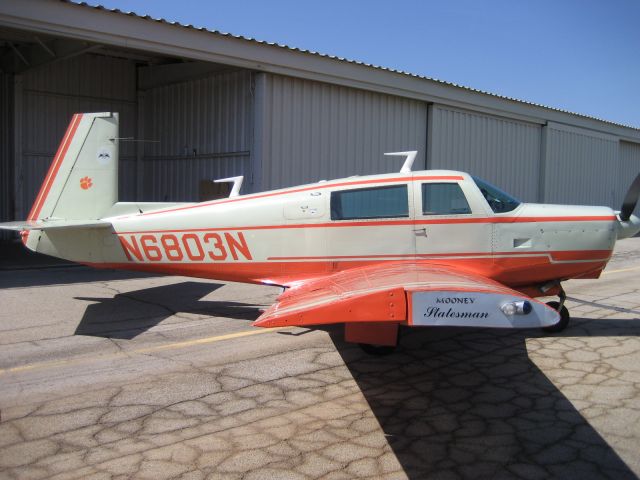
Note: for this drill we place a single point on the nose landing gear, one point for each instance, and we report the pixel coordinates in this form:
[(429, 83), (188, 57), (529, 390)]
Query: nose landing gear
[(562, 310)]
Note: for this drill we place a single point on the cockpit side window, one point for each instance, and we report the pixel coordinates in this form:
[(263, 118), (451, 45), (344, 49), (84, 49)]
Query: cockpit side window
[(443, 199), (377, 202), (499, 201)]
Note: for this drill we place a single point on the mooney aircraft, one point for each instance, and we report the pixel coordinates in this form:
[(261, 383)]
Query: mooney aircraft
[(423, 248)]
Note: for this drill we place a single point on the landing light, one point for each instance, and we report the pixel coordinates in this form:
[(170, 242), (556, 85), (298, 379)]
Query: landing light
[(523, 307)]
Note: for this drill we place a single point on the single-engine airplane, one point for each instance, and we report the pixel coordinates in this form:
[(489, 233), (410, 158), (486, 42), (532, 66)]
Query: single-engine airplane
[(423, 248)]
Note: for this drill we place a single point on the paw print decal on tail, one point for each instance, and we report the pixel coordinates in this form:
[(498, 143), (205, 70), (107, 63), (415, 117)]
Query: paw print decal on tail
[(86, 183)]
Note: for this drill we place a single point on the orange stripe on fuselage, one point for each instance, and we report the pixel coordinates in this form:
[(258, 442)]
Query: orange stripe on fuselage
[(379, 223)]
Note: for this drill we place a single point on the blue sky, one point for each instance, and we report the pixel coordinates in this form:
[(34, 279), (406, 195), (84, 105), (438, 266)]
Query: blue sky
[(578, 55)]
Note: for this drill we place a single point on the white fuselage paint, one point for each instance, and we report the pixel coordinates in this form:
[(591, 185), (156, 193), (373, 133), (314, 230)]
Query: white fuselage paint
[(288, 235)]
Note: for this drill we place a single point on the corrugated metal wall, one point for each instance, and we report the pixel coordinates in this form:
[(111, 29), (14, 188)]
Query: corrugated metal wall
[(313, 131), (581, 167), (203, 129), (6, 152), (303, 130), (52, 94), (503, 152)]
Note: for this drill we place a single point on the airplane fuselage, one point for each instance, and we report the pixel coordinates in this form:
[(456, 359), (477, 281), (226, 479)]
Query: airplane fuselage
[(284, 236)]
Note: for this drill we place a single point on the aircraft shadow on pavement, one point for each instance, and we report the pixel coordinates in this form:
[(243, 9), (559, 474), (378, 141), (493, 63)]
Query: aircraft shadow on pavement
[(129, 314), (469, 403), (64, 275)]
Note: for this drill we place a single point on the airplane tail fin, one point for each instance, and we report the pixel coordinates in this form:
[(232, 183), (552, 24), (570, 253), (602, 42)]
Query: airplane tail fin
[(82, 181)]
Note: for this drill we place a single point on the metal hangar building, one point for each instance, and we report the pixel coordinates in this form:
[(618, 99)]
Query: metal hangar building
[(197, 105)]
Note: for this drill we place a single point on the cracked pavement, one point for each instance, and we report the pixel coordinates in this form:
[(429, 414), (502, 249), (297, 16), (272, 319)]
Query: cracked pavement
[(117, 375)]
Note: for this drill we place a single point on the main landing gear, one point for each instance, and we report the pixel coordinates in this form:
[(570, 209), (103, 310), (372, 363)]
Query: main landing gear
[(562, 310), (374, 339)]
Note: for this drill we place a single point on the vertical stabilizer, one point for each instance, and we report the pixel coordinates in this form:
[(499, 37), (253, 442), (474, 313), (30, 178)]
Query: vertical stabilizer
[(82, 181)]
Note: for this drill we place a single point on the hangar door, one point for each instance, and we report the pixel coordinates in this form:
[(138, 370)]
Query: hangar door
[(309, 131), (45, 100), (504, 152), (196, 130), (582, 167), (172, 135)]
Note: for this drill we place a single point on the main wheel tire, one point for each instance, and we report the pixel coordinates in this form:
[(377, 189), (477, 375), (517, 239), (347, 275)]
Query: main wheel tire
[(378, 350), (564, 318)]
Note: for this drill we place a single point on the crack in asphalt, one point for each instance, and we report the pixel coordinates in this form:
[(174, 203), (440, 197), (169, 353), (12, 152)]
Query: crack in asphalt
[(450, 403)]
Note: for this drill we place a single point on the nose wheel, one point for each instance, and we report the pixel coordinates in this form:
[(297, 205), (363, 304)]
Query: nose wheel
[(562, 310)]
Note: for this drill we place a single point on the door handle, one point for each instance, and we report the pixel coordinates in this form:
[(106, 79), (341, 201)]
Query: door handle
[(420, 232)]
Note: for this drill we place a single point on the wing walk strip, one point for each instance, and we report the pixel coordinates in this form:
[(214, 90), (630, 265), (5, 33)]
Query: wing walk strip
[(127, 353)]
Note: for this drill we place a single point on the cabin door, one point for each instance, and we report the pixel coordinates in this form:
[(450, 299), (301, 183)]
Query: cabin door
[(450, 228)]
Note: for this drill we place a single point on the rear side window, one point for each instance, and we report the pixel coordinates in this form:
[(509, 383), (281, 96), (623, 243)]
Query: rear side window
[(443, 199), (376, 202)]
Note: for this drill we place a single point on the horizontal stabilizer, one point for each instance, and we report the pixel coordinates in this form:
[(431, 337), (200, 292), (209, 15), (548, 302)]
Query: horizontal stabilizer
[(53, 224)]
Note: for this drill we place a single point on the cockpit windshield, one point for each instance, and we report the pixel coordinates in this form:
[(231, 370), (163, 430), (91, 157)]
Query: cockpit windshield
[(499, 201)]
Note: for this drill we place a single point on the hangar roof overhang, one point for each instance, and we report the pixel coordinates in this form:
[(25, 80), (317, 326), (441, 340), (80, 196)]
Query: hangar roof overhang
[(22, 51), (159, 40)]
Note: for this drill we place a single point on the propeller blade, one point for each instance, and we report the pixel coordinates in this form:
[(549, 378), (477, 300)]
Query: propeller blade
[(630, 200)]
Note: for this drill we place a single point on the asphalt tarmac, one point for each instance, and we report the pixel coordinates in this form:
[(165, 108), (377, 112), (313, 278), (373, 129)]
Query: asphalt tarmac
[(114, 375)]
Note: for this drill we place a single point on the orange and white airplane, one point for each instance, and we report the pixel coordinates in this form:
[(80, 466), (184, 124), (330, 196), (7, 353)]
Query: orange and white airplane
[(429, 248)]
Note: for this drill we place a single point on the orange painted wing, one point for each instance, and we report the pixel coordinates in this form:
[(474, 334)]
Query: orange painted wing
[(376, 293)]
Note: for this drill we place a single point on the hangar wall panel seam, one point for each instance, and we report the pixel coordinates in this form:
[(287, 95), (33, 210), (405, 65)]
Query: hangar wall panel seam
[(315, 131)]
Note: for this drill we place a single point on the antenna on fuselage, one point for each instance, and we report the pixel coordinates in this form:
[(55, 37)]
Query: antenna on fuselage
[(237, 183), (408, 163)]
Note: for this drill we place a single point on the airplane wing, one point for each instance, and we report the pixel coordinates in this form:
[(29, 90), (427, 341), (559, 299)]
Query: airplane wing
[(408, 293)]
